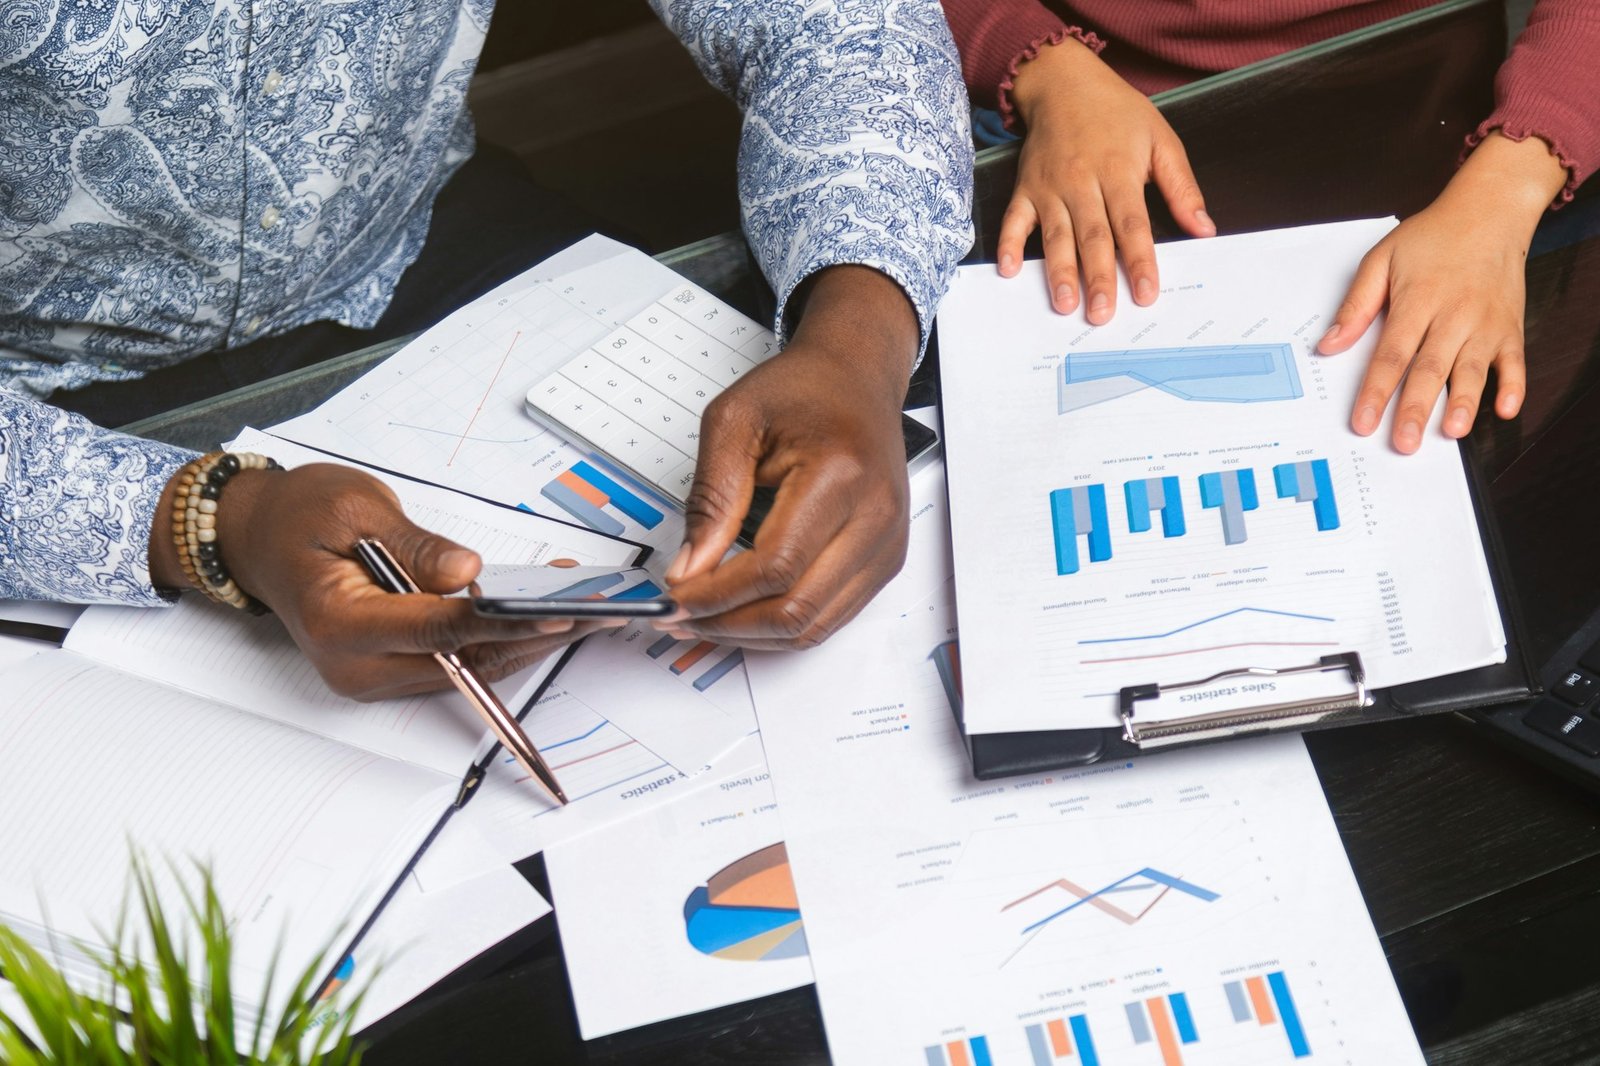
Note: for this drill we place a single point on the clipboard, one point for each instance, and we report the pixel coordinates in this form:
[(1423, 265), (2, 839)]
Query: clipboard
[(996, 755)]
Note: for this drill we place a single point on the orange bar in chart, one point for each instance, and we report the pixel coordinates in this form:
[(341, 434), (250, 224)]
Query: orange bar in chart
[(1060, 1045), (958, 1053), (692, 656), (1260, 1001), (585, 490), (1166, 1035)]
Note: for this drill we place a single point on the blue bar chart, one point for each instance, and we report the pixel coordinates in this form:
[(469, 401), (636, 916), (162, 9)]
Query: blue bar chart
[(973, 1051), (601, 498), (1062, 1040), (1232, 493), (1147, 496), (1165, 1021), (1267, 1001), (1076, 512), (1309, 482)]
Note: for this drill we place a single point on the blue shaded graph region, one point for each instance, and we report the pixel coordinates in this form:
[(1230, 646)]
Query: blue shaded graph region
[(1208, 621), (1309, 482), (1229, 373), (1233, 492), (1151, 494), (1080, 512)]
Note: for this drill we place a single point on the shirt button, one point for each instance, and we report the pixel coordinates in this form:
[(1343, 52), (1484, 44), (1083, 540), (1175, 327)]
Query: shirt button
[(269, 218), (253, 325), (272, 82)]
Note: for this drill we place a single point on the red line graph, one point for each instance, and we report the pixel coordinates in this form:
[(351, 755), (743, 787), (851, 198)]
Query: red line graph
[(486, 394), (1215, 647)]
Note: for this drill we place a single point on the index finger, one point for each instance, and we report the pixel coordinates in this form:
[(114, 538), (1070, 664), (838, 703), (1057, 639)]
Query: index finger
[(804, 518), (387, 623)]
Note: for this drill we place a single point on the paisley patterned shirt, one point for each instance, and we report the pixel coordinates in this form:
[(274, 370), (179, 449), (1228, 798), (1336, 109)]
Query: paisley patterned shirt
[(178, 176)]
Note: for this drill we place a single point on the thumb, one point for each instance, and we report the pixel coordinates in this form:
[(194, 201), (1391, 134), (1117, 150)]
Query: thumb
[(724, 481), (437, 563), (1361, 304)]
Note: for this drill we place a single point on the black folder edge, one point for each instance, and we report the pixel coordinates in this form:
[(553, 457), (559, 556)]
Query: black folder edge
[(997, 755)]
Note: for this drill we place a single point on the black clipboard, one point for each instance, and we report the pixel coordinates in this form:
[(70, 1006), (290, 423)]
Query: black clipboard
[(1009, 754)]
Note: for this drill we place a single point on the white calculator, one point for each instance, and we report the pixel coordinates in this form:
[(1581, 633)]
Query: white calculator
[(636, 397)]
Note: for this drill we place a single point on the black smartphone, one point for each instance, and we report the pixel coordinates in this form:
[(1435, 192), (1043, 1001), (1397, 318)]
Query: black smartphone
[(570, 592)]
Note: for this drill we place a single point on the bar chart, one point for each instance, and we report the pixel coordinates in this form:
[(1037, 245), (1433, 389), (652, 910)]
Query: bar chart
[(1147, 496), (973, 1051), (1062, 1040), (1164, 1021), (1231, 493), (602, 498), (700, 662), (1227, 373), (1309, 482), (1076, 512), (1267, 1001)]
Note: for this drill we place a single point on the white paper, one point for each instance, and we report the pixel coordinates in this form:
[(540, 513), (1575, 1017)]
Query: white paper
[(1076, 576), (694, 894), (423, 937), (948, 917), (301, 835)]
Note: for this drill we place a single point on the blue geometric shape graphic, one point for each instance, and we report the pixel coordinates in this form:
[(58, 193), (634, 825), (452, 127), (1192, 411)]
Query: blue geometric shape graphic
[(1155, 494), (1226, 373), (1309, 482), (1234, 493), (1080, 512)]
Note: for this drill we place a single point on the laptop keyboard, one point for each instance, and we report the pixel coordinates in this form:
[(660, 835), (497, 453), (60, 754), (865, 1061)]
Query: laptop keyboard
[(1570, 711)]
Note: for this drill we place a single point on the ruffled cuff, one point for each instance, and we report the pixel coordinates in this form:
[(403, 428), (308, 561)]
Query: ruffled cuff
[(1077, 33), (1521, 133)]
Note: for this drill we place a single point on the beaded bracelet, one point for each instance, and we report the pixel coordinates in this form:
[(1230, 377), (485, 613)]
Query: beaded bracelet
[(194, 524)]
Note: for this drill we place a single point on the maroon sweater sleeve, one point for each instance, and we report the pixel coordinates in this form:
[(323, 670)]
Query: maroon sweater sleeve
[(994, 36), (1549, 87)]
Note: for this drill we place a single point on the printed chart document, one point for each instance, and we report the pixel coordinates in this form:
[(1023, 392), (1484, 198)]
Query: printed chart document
[(694, 893), (448, 409), (1177, 493), (1190, 910)]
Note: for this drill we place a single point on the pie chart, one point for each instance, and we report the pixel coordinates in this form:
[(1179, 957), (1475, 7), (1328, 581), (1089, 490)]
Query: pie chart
[(747, 911)]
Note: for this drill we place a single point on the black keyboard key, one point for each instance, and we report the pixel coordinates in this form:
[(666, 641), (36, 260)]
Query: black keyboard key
[(1590, 660), (1556, 719), (1577, 688)]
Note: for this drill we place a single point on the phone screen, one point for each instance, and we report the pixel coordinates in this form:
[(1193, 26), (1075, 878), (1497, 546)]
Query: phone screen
[(569, 592)]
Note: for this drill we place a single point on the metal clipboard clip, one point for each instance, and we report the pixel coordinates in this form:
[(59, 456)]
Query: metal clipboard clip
[(1245, 720)]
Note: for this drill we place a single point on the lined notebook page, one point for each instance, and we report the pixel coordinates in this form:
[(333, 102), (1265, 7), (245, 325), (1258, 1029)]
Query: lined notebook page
[(299, 832)]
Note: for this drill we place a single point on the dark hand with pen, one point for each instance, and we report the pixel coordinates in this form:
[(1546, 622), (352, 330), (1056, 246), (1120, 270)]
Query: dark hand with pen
[(287, 537), (821, 423)]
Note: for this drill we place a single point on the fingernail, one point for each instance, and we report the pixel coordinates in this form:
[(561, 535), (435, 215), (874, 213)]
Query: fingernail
[(1064, 300), (1408, 437), (1509, 405), (1098, 305), (680, 564), (1366, 420), (1459, 422), (1008, 263), (680, 634), (1205, 222), (613, 623), (563, 564), (1333, 331), (552, 626), (1144, 290), (454, 559)]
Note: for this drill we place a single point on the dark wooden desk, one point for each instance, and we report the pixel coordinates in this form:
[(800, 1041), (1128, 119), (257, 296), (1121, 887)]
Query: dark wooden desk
[(1481, 871)]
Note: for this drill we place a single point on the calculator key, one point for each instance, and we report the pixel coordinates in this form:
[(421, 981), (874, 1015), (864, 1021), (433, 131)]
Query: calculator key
[(677, 426), (1576, 688), (651, 321), (666, 372), (690, 389), (680, 481), (605, 429), (676, 338), (729, 368), (549, 392), (704, 354), (659, 461), (1557, 720), (760, 348), (576, 406), (589, 371), (620, 344), (630, 447)]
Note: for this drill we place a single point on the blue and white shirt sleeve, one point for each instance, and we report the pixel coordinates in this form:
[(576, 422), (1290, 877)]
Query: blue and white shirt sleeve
[(76, 506), (855, 147)]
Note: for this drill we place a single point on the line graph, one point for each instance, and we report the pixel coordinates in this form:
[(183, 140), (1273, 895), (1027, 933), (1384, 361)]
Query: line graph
[(1131, 883), (476, 411), (1213, 647), (1208, 621)]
